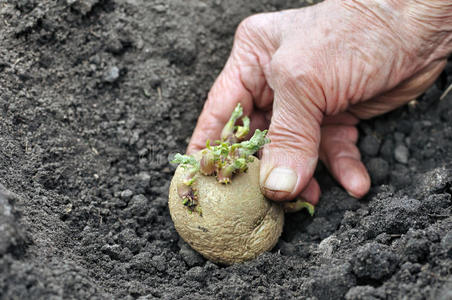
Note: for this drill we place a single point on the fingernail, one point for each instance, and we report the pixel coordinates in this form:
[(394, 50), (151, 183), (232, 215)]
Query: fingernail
[(281, 179)]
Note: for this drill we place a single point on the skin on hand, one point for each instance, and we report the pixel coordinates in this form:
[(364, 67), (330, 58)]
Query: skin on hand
[(309, 75)]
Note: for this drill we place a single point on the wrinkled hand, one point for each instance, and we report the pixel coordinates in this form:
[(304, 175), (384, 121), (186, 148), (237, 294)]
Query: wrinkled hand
[(310, 74)]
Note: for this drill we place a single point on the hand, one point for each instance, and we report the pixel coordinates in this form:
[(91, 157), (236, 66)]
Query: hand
[(310, 74)]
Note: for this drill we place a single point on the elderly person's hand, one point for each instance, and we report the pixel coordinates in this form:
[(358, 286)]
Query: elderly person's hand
[(310, 74)]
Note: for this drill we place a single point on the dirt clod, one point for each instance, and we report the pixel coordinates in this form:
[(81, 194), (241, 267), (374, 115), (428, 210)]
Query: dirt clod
[(374, 261)]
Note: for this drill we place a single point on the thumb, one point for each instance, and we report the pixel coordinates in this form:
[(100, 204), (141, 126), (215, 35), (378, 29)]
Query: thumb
[(289, 161)]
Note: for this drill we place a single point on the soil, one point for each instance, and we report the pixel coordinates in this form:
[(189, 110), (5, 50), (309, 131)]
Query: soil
[(94, 97)]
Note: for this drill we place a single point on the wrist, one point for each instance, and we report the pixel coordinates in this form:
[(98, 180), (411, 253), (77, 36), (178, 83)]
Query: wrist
[(431, 22), (423, 28)]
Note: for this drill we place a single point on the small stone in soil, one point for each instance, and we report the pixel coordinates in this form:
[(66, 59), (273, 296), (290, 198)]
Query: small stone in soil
[(387, 148), (401, 154), (370, 145), (404, 126), (399, 137), (112, 74), (127, 194), (378, 170)]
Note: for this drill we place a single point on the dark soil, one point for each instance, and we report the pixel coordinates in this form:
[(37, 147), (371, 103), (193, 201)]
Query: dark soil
[(94, 97)]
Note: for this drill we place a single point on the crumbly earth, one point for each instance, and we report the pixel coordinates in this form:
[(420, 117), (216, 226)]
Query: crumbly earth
[(94, 97)]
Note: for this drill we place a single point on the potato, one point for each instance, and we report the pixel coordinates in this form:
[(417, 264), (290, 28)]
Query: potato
[(237, 223)]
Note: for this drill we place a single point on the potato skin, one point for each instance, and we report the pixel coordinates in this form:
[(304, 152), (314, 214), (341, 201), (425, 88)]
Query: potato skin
[(237, 224)]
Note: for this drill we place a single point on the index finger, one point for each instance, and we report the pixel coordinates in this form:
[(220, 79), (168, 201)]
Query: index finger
[(241, 81)]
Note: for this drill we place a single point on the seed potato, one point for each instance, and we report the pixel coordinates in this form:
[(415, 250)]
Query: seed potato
[(237, 222)]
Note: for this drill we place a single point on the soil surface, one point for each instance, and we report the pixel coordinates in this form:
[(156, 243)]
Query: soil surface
[(94, 97)]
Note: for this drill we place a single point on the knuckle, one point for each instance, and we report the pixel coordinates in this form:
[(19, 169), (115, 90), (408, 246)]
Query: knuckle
[(332, 136), (294, 138), (287, 69), (294, 77), (344, 150), (247, 26), (259, 28), (281, 68)]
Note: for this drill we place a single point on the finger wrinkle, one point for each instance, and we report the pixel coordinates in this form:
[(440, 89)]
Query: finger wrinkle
[(335, 151), (299, 137)]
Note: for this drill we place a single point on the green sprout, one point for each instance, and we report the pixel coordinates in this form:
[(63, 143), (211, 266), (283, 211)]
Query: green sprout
[(232, 133), (256, 142), (298, 205), (242, 131), (225, 173), (185, 160), (240, 164), (190, 163), (222, 159)]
